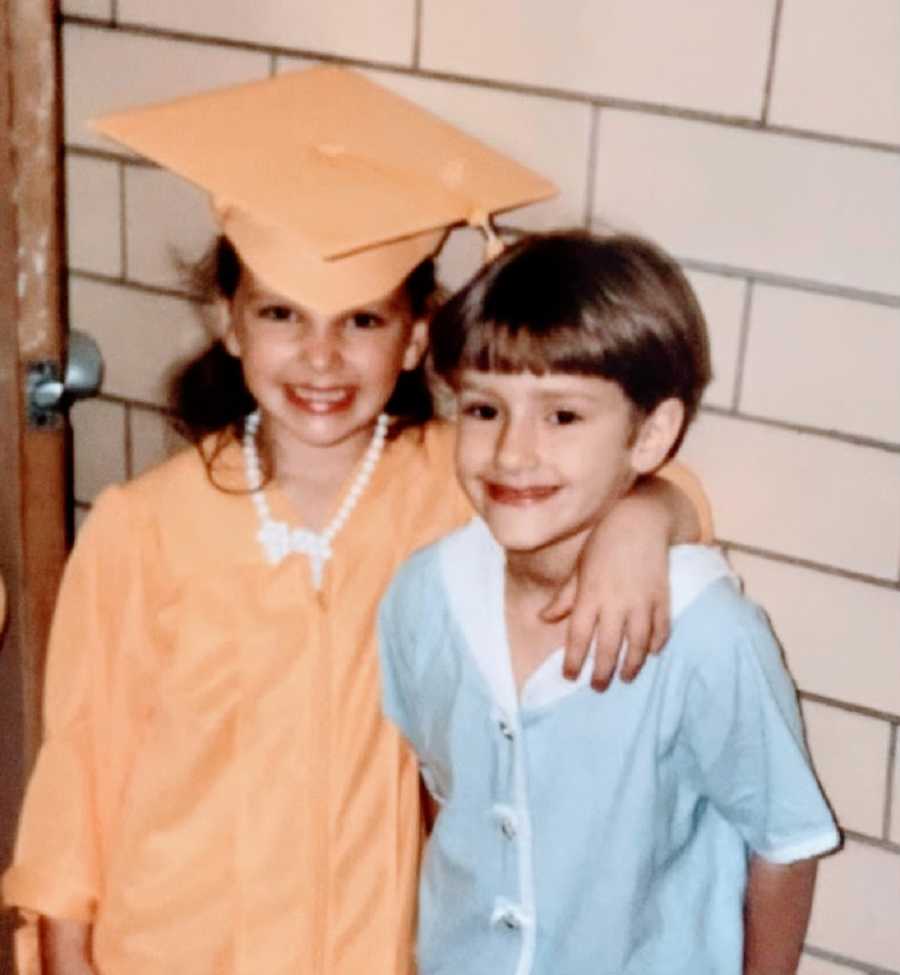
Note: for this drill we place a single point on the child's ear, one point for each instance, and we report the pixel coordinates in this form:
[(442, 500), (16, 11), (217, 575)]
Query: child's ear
[(223, 326), (656, 435), (416, 345)]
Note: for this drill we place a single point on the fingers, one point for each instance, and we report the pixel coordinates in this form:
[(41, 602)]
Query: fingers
[(579, 632), (645, 630), (610, 630), (638, 633)]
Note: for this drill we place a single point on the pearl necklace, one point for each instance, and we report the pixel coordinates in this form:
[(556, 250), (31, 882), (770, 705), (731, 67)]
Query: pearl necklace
[(278, 538)]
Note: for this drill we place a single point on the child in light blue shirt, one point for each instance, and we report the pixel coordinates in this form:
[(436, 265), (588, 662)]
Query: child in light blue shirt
[(669, 827)]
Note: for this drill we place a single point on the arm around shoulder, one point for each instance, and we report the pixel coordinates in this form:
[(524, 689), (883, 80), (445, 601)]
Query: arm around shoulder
[(683, 494)]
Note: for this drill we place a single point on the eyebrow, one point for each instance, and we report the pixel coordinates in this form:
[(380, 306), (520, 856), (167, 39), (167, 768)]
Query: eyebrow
[(551, 393)]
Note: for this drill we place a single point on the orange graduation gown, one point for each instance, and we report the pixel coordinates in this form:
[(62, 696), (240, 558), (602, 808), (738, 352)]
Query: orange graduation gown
[(218, 792)]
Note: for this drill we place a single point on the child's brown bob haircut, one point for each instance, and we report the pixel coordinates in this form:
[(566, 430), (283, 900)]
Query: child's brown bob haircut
[(616, 307)]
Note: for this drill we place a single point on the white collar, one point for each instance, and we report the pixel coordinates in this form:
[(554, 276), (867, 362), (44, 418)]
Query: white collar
[(473, 571)]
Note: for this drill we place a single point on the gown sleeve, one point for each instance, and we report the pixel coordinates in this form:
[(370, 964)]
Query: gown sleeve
[(94, 700), (687, 481)]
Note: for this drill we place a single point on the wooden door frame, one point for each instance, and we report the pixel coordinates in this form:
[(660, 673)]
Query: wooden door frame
[(31, 233), (33, 462)]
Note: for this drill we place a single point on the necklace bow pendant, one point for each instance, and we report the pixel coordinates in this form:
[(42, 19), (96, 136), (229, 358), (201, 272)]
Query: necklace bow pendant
[(277, 538)]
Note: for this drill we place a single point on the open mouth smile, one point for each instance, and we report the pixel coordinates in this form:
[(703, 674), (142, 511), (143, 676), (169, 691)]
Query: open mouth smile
[(311, 399), (521, 497)]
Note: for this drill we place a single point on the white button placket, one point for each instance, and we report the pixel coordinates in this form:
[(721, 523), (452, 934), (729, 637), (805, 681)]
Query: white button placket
[(514, 825)]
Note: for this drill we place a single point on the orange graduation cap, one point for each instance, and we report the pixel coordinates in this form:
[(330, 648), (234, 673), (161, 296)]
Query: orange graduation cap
[(331, 188)]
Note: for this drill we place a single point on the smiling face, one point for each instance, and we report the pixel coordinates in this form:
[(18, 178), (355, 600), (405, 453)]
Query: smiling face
[(321, 380), (542, 458)]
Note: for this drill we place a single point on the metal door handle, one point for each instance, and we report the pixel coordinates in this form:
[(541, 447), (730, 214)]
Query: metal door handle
[(49, 395)]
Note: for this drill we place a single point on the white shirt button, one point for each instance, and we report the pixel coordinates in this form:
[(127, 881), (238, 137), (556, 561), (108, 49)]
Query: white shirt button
[(507, 914), (507, 820)]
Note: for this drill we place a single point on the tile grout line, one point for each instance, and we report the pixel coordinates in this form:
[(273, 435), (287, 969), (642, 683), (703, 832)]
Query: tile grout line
[(655, 109), (850, 708), (898, 565), (418, 15), (830, 570), (743, 342), (863, 968), (872, 842), (129, 443), (592, 155), (123, 228), (773, 54), (837, 436), (807, 285), (890, 783)]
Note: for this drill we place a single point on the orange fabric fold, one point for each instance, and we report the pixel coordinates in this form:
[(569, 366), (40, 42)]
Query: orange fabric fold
[(218, 791)]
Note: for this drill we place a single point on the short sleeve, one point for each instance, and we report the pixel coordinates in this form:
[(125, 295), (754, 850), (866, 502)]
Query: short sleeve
[(394, 648), (92, 705), (745, 736)]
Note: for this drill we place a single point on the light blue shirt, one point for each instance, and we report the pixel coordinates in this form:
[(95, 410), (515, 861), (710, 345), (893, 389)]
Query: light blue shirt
[(585, 834)]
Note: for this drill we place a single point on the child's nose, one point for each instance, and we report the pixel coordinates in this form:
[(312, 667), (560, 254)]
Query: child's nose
[(321, 349), (516, 447)]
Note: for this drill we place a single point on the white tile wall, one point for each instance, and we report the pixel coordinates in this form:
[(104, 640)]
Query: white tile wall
[(142, 336), (167, 221), (850, 752), (779, 204), (98, 429), (106, 70), (895, 801), (461, 257), (152, 439), (722, 300), (101, 9), (380, 31), (855, 908), (824, 362), (94, 220), (709, 55), (840, 635), (838, 68), (800, 494)]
